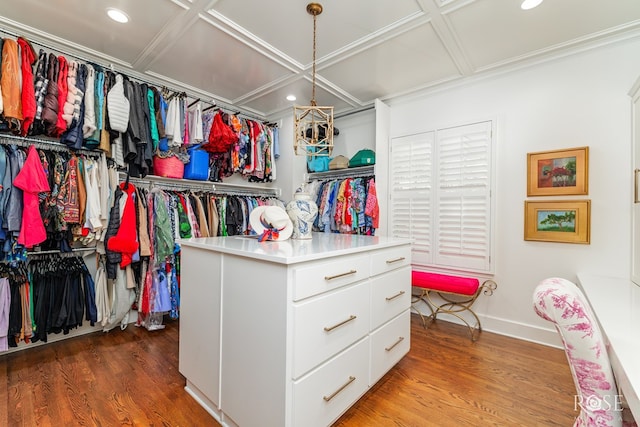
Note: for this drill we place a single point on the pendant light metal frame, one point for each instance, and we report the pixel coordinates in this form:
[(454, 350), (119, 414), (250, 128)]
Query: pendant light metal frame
[(313, 125)]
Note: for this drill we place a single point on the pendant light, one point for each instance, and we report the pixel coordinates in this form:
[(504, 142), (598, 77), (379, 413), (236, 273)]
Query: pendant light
[(313, 125)]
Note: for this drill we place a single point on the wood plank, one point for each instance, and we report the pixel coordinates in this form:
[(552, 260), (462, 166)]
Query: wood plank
[(131, 377)]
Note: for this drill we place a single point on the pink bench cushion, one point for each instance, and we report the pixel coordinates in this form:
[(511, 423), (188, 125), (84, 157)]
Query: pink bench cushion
[(445, 283)]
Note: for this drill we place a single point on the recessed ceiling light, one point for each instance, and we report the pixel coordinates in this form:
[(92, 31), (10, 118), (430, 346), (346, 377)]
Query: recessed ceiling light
[(291, 97), (530, 4), (117, 15)]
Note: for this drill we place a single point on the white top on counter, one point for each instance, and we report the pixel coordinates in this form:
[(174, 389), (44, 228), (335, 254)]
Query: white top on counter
[(616, 304), (292, 251)]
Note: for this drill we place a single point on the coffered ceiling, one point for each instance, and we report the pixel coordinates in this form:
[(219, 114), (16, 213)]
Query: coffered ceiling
[(252, 54)]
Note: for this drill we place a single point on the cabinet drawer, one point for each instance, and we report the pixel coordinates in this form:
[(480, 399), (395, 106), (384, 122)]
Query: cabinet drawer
[(322, 396), (390, 258), (390, 295), (316, 278), (389, 344), (327, 324)]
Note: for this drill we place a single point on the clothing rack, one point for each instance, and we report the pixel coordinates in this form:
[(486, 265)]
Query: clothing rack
[(44, 144), (74, 252), (159, 82), (358, 172), (244, 190), (177, 184)]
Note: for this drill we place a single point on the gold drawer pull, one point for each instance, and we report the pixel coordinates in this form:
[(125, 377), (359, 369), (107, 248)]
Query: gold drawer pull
[(391, 261), (395, 296), (400, 339), (636, 198), (340, 275), (331, 328), (335, 393)]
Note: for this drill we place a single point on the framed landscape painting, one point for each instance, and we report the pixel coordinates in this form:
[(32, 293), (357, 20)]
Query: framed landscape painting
[(559, 172), (566, 221)]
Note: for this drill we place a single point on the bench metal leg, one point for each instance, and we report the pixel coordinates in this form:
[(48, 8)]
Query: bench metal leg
[(415, 298), (454, 304)]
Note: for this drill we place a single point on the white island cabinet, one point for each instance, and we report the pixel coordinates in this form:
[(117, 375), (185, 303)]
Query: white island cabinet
[(291, 333)]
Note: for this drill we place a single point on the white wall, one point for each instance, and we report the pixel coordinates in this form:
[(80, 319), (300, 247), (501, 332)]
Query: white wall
[(579, 100)]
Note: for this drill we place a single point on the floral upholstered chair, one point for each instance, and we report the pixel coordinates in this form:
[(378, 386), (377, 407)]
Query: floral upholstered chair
[(563, 303)]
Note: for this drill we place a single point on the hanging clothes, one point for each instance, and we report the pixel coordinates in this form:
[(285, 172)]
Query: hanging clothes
[(40, 90), (13, 214), (89, 126), (195, 123), (50, 104), (69, 103), (73, 137), (28, 98), (5, 306), (32, 180), (10, 85), (125, 240), (347, 205), (63, 71)]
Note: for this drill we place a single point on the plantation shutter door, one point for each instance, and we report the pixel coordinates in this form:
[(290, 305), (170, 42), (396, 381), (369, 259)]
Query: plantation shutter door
[(410, 213), (463, 193)]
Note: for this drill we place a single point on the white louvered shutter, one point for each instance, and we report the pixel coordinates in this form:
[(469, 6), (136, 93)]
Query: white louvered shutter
[(411, 187), (463, 199)]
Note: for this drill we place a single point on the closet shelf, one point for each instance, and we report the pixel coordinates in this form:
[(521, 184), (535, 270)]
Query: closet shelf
[(214, 187), (341, 173)]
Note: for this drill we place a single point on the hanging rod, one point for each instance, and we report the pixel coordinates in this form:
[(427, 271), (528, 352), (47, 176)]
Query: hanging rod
[(189, 184), (357, 172), (218, 105), (58, 252), (245, 190), (356, 111), (176, 184), (45, 144)]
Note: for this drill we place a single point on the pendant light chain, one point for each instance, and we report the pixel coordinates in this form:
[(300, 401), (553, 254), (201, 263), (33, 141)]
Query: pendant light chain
[(313, 72)]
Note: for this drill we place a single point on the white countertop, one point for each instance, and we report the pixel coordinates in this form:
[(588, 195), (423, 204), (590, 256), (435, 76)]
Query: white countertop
[(616, 304), (292, 251)]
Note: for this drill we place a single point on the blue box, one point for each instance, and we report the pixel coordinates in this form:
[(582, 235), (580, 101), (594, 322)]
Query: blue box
[(198, 166)]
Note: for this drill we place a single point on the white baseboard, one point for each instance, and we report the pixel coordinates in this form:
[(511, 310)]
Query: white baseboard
[(523, 331)]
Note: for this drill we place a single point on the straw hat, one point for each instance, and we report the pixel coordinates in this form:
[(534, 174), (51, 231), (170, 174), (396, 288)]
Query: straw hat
[(271, 223)]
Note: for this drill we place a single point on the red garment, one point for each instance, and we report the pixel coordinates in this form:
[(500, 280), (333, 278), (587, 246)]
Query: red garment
[(126, 239), (221, 136), (63, 88), (32, 180), (28, 91)]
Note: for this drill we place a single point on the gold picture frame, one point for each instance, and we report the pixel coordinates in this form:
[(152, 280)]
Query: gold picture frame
[(565, 221), (558, 172)]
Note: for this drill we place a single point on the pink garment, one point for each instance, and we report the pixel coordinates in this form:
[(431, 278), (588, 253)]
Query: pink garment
[(32, 180), (372, 208)]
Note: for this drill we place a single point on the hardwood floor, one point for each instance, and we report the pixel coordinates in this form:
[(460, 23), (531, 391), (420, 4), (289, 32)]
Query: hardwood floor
[(131, 378), (446, 380)]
